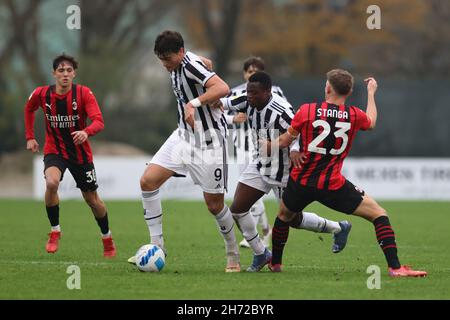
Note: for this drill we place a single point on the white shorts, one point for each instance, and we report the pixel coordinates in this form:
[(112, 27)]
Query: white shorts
[(253, 178), (208, 168)]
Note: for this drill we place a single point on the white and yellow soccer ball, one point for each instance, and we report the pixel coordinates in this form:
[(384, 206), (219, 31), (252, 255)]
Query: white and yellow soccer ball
[(150, 258)]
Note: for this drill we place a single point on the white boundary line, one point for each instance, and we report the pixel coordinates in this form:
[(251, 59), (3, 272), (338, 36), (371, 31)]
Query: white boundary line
[(24, 262)]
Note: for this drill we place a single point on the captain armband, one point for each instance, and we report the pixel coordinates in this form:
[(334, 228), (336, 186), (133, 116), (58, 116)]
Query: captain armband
[(292, 133)]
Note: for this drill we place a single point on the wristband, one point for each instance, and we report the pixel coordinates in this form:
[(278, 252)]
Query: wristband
[(195, 102)]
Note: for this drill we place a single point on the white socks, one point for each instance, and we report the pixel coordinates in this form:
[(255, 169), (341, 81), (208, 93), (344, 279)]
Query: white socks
[(247, 226), (153, 216), (225, 224), (313, 222), (56, 228), (259, 214)]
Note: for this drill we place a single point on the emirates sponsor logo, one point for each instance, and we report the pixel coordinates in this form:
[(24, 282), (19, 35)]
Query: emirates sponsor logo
[(62, 122)]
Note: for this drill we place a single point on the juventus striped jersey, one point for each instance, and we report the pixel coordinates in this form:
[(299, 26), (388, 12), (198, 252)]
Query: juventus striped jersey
[(65, 114), (240, 130), (267, 124), (189, 82), (326, 133)]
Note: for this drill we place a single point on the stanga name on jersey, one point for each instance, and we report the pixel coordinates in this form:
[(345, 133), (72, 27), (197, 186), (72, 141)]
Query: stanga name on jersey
[(332, 113)]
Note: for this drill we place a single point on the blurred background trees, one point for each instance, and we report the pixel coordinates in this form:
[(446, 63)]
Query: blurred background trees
[(299, 40)]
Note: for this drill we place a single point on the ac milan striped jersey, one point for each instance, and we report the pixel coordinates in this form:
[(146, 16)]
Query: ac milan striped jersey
[(267, 124), (65, 114), (189, 82), (240, 130), (326, 135)]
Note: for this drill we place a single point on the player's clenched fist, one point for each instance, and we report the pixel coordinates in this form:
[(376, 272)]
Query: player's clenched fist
[(240, 117), (217, 105), (371, 85)]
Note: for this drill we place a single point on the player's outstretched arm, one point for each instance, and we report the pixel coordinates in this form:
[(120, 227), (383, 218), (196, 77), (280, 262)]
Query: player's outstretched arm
[(235, 118), (283, 141), (371, 105), (286, 139), (233, 103)]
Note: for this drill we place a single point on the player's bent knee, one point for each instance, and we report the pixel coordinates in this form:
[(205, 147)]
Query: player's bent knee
[(285, 216), (92, 200), (143, 183), (379, 211), (148, 184), (239, 208), (52, 184), (375, 207), (94, 203), (370, 209), (91, 203), (214, 207)]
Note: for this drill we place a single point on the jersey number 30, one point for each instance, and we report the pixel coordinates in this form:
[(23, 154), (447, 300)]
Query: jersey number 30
[(341, 133)]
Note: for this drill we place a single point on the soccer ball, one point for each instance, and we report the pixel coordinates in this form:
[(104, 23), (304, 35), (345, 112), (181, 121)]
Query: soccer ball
[(150, 258)]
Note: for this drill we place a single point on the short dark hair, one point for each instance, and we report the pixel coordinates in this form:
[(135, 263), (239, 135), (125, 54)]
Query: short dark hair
[(341, 81), (168, 42), (64, 57), (262, 78), (254, 61)]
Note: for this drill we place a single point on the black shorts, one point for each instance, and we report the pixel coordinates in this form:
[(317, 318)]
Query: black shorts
[(345, 199), (84, 174)]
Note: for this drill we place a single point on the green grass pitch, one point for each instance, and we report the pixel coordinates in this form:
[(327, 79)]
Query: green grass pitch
[(196, 257)]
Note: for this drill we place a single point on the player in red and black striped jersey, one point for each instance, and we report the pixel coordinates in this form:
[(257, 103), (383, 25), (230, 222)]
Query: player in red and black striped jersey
[(67, 107), (326, 131)]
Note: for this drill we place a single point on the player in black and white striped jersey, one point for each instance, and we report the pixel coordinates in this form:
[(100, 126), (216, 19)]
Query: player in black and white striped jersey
[(198, 146), (188, 83), (269, 117), (266, 122), (242, 142), (235, 118)]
